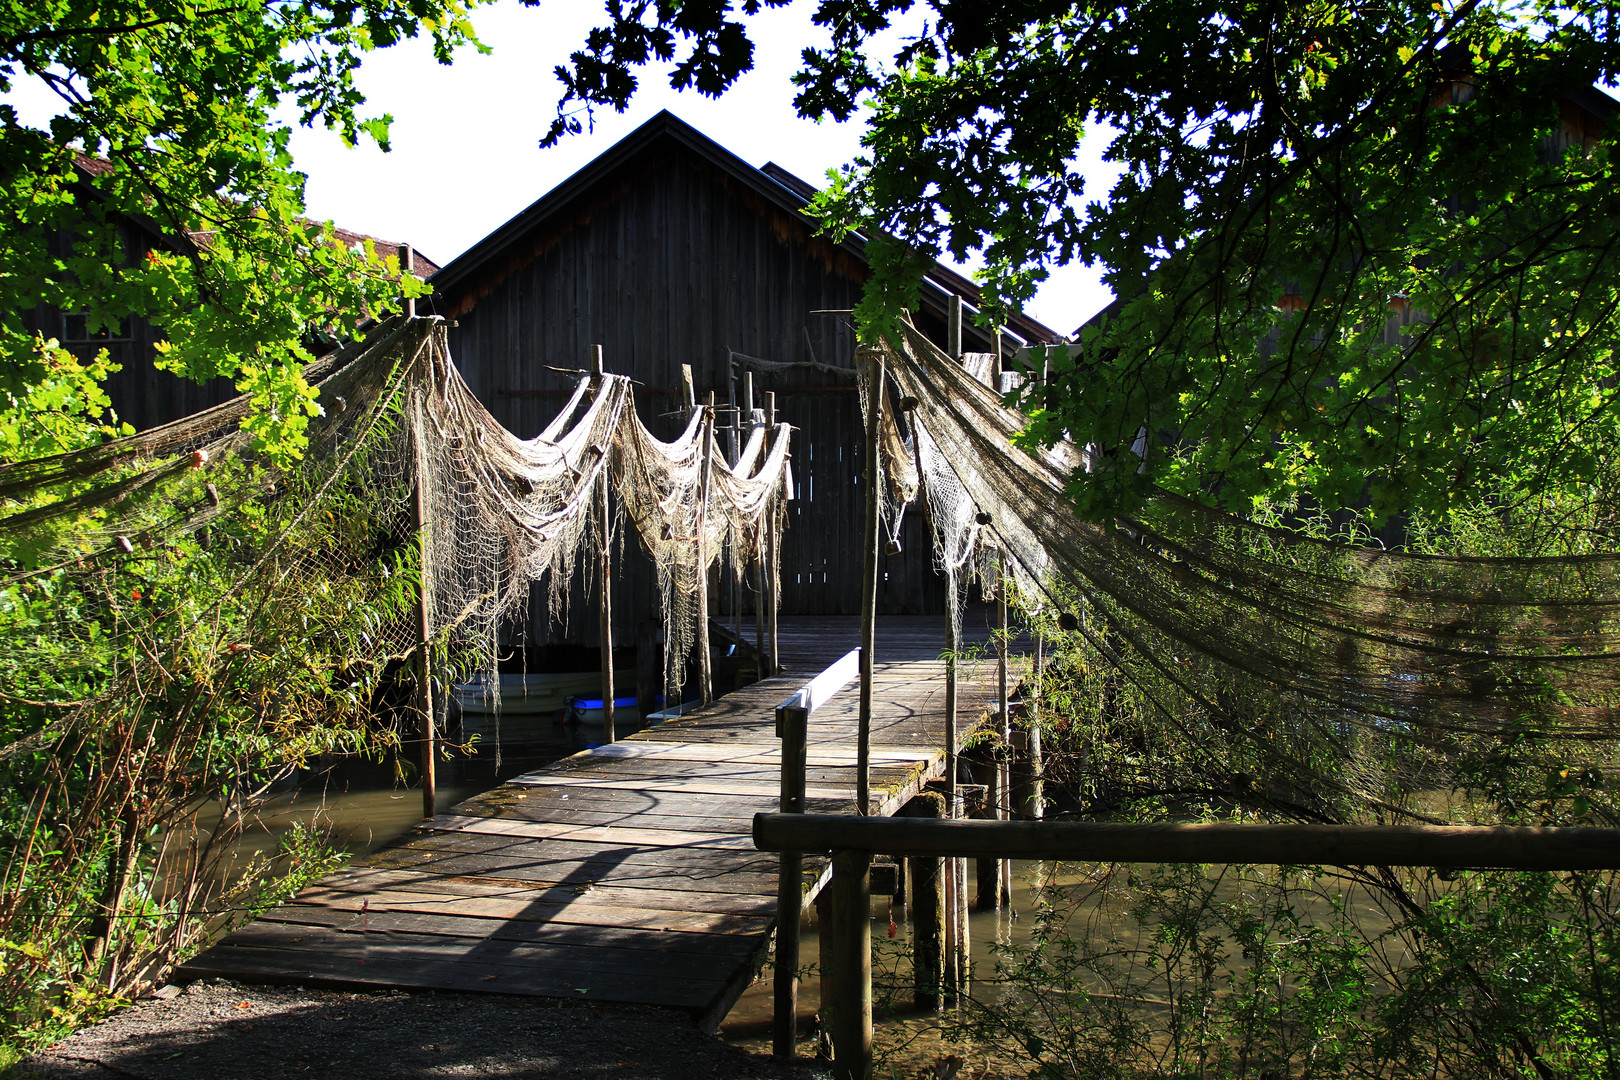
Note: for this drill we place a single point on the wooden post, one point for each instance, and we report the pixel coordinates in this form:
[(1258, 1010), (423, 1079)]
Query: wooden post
[(987, 894), (408, 266), (604, 525), (793, 726), (953, 328), (424, 622), (759, 547), (649, 669), (851, 933), (1003, 772), (1035, 797), (706, 434), (773, 571), (927, 913), (827, 964), (688, 390), (869, 580)]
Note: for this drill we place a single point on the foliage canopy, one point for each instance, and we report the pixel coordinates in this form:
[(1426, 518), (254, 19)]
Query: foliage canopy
[(1354, 255), (168, 130)]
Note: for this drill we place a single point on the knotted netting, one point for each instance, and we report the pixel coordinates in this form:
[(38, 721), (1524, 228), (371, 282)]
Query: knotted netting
[(184, 620), (1350, 646), (687, 506)]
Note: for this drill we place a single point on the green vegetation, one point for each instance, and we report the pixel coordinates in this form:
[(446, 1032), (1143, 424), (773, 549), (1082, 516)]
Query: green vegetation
[(164, 190), (173, 639)]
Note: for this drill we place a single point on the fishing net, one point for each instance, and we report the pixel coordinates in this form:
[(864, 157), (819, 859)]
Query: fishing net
[(184, 621), (1349, 646)]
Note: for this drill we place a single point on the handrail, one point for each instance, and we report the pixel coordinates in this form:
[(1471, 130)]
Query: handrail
[(853, 839), (819, 690), (1494, 846)]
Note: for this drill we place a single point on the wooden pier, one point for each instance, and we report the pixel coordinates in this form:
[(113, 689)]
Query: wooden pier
[(624, 873)]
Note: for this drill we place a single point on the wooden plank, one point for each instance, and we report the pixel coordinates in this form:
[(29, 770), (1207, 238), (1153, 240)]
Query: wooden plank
[(601, 834), (556, 891), (573, 912), (441, 924)]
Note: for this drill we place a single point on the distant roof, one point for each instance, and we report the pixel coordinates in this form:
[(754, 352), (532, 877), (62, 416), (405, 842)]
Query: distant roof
[(421, 265), (509, 246)]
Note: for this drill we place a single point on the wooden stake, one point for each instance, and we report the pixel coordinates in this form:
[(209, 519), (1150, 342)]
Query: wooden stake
[(851, 933), (424, 626), (869, 581), (953, 329), (759, 549), (927, 913), (604, 526), (1003, 773), (688, 390), (409, 267), (793, 724), (705, 679)]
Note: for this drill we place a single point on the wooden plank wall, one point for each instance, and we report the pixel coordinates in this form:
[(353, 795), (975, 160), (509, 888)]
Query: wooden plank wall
[(673, 262)]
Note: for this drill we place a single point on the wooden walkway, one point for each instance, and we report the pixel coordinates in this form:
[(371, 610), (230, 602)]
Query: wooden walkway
[(624, 873)]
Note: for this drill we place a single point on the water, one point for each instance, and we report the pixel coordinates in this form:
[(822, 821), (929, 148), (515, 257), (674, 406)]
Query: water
[(910, 1042), (360, 806)]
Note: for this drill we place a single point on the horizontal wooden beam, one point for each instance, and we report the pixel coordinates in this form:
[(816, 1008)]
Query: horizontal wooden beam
[(818, 691), (1495, 847)]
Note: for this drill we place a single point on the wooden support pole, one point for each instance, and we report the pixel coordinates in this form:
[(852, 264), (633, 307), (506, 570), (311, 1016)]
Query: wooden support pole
[(1034, 806), (1004, 718), (408, 268), (773, 572), (953, 328), (649, 669), (851, 933), (424, 619), (759, 549), (827, 966), (793, 726), (987, 894), (927, 913), (705, 678), (604, 523), (688, 390), (869, 581)]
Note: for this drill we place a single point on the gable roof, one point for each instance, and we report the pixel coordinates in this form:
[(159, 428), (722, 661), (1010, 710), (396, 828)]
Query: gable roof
[(484, 265)]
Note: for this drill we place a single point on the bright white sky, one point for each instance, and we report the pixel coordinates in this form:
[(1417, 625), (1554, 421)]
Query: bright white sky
[(466, 157), (465, 138)]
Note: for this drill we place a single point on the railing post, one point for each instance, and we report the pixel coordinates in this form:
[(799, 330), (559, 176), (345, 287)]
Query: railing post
[(604, 524), (793, 725), (927, 912), (424, 618), (851, 933), (705, 677), (773, 542)]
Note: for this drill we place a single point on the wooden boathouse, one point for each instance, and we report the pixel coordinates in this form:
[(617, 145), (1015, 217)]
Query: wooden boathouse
[(669, 250)]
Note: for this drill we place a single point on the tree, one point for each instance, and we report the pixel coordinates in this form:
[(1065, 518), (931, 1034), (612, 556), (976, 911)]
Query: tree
[(167, 120), (1296, 175)]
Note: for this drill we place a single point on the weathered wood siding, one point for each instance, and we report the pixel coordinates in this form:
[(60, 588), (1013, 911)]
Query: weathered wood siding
[(671, 261)]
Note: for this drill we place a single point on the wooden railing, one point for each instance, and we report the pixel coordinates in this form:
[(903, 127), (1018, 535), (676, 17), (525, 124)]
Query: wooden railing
[(793, 727), (852, 840)]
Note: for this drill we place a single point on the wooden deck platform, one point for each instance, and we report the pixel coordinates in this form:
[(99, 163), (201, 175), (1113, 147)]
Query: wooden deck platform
[(624, 873)]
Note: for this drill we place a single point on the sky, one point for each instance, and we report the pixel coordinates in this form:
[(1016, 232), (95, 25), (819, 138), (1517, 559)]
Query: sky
[(465, 137), (466, 154)]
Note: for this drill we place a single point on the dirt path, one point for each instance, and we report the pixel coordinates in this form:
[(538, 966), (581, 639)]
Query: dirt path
[(216, 1030)]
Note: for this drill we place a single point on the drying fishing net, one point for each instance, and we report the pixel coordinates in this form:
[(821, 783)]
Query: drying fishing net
[(688, 505), (1349, 646), (184, 624)]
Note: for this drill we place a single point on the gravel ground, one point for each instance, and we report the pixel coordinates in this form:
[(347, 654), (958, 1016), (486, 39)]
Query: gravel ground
[(217, 1030)]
